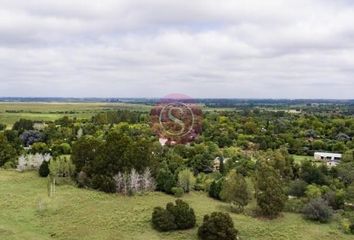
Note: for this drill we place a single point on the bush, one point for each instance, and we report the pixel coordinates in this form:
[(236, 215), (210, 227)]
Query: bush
[(163, 220), (217, 226), (336, 200), (186, 180), (178, 192), (183, 214), (318, 210), (104, 183), (215, 189), (165, 181), (174, 217), (297, 188), (351, 227), (294, 205), (44, 169)]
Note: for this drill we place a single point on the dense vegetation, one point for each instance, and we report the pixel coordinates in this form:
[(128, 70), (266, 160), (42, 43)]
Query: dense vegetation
[(117, 152)]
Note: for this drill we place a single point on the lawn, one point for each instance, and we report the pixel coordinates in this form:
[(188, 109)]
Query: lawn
[(300, 159), (27, 213)]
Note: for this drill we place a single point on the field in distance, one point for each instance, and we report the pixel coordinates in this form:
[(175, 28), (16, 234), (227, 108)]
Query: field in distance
[(76, 214), (10, 112)]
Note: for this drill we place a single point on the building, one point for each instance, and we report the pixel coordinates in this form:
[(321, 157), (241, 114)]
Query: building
[(331, 159), (217, 163)]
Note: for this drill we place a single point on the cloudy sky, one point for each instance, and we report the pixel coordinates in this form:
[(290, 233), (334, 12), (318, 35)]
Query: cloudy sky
[(201, 48)]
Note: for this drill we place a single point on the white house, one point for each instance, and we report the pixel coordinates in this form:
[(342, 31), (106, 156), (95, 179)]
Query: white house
[(331, 159)]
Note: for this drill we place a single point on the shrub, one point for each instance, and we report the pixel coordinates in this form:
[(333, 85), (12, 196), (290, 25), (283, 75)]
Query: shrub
[(163, 220), (178, 192), (297, 188), (174, 217), (44, 169), (351, 227), (217, 226), (165, 181), (186, 180), (318, 210), (294, 205), (215, 189), (183, 214), (82, 179), (335, 199), (104, 183)]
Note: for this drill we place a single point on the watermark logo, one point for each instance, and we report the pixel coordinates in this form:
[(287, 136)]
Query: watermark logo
[(176, 119)]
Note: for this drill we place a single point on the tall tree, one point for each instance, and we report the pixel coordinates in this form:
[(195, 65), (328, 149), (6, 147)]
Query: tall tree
[(269, 190)]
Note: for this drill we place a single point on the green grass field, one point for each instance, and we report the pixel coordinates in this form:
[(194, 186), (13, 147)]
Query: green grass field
[(300, 159), (12, 112), (27, 213)]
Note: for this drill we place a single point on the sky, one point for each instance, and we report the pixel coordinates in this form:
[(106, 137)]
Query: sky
[(200, 48)]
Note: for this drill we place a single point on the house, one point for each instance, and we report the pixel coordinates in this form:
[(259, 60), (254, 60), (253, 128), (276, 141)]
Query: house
[(331, 159), (217, 163)]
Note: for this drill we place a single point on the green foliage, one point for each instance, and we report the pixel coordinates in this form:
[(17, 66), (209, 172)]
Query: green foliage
[(2, 126), (217, 226), (294, 205), (175, 217), (177, 192), (165, 180), (183, 214), (186, 180), (318, 210), (216, 188), (269, 190), (104, 183), (39, 147), (335, 199), (235, 191), (313, 191), (163, 220), (23, 125), (312, 174), (44, 169), (7, 152), (297, 188)]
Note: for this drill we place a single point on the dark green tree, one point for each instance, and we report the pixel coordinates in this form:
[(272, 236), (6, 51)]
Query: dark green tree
[(269, 190)]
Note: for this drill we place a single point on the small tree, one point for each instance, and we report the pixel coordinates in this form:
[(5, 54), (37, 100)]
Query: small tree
[(44, 169), (186, 180), (217, 226), (215, 188), (269, 192), (165, 180), (318, 210), (235, 191)]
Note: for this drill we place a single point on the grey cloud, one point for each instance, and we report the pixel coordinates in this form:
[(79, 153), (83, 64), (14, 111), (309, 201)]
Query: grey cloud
[(204, 48)]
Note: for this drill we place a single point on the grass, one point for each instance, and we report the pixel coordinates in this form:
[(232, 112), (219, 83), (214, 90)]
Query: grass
[(300, 159), (27, 213), (12, 112)]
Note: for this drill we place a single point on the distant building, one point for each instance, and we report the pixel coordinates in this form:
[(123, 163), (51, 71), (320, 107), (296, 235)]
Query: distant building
[(331, 159), (217, 163)]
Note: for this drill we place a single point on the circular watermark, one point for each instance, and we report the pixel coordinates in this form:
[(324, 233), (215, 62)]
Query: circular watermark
[(176, 119)]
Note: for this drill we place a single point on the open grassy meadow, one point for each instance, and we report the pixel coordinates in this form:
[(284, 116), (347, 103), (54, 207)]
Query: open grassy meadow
[(27, 213), (50, 111)]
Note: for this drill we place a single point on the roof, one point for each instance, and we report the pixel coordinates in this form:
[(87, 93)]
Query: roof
[(328, 154)]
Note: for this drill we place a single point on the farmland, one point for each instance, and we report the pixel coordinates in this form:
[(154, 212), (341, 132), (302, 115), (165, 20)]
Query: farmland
[(50, 111)]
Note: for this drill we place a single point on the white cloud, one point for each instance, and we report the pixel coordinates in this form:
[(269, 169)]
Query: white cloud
[(204, 48)]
